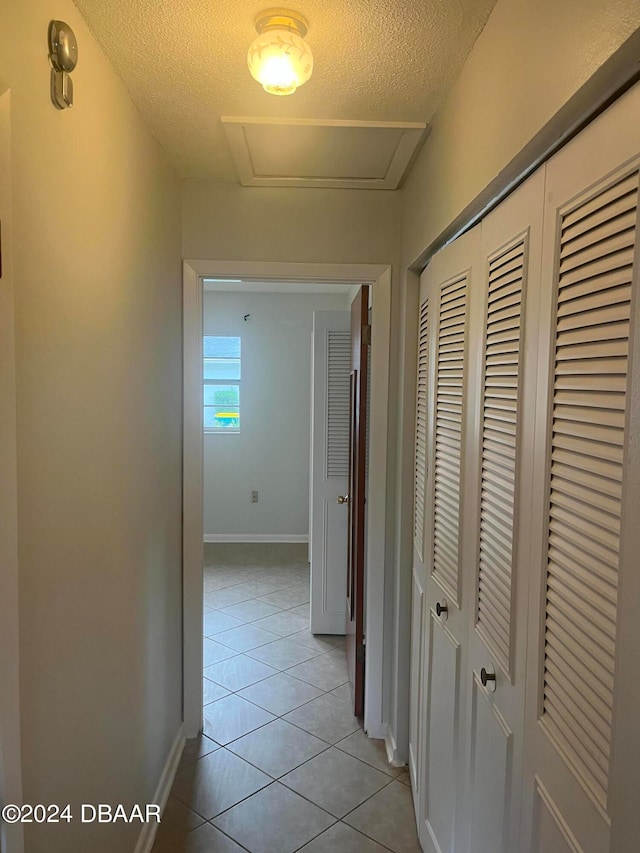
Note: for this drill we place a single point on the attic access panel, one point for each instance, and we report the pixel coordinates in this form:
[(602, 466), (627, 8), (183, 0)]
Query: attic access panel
[(322, 153)]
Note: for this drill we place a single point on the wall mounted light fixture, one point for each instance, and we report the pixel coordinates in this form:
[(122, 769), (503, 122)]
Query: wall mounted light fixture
[(63, 55), (279, 58)]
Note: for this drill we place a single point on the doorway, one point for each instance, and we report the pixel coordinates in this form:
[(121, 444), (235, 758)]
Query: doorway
[(194, 273)]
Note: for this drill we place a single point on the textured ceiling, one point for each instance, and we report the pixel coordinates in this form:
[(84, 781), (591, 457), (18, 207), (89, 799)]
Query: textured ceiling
[(184, 64)]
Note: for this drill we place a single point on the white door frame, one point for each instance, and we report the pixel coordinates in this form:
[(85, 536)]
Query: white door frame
[(379, 275)]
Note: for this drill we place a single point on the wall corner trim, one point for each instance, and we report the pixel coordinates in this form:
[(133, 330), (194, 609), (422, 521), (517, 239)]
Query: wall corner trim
[(149, 830)]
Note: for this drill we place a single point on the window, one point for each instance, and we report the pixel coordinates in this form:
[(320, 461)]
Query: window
[(221, 384)]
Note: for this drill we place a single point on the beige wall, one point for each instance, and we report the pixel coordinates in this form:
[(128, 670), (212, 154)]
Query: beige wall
[(96, 216), (228, 222), (530, 59), (10, 758)]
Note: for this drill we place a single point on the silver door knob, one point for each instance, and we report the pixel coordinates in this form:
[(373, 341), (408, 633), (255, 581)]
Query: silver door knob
[(343, 499), (488, 678)]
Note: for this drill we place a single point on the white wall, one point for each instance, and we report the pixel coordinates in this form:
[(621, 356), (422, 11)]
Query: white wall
[(96, 228), (529, 61), (530, 74), (271, 452)]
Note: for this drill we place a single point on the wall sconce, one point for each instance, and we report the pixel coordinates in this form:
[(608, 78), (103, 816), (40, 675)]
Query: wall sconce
[(63, 55), (279, 58)]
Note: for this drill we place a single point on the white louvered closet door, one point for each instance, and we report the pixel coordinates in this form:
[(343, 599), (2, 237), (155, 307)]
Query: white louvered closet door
[(502, 381), (583, 700), (331, 349), (449, 284)]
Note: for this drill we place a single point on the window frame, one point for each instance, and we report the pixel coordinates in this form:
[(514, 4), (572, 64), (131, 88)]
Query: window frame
[(224, 382)]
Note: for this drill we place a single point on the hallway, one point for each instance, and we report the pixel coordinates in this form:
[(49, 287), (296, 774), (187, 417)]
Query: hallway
[(282, 765)]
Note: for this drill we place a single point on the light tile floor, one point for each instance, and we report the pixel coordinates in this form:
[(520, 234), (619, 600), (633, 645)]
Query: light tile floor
[(283, 765)]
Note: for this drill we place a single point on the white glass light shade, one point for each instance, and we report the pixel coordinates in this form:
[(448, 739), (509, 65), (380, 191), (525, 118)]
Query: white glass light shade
[(280, 60)]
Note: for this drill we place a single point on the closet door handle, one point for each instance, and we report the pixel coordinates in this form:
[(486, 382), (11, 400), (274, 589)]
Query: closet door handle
[(441, 607), (488, 679)]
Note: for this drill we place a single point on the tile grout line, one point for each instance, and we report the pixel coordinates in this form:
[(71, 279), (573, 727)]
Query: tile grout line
[(271, 675), (302, 796), (263, 577), (278, 779)]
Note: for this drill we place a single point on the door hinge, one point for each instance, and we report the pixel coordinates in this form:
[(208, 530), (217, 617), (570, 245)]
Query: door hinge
[(360, 652), (366, 335)]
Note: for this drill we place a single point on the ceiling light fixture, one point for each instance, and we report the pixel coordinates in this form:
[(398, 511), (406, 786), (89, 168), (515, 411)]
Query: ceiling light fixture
[(279, 58)]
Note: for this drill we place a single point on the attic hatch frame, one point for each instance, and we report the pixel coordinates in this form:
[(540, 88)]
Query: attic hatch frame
[(378, 620)]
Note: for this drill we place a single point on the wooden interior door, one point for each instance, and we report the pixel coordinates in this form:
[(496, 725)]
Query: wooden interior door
[(360, 339)]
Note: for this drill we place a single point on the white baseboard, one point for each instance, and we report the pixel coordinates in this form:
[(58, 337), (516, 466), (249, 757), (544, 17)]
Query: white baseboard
[(256, 537), (392, 750), (375, 728), (148, 834), (382, 732)]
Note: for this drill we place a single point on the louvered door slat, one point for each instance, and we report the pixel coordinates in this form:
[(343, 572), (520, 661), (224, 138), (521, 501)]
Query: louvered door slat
[(568, 648), (626, 189), (605, 281), (594, 281), (500, 403), (498, 551), (582, 628), (492, 615), (449, 530), (502, 569), (567, 733), (338, 371), (587, 723), (620, 244), (572, 572), (580, 690), (420, 469), (598, 231), (449, 495), (597, 506), (509, 270), (449, 385), (497, 598), (576, 535)]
